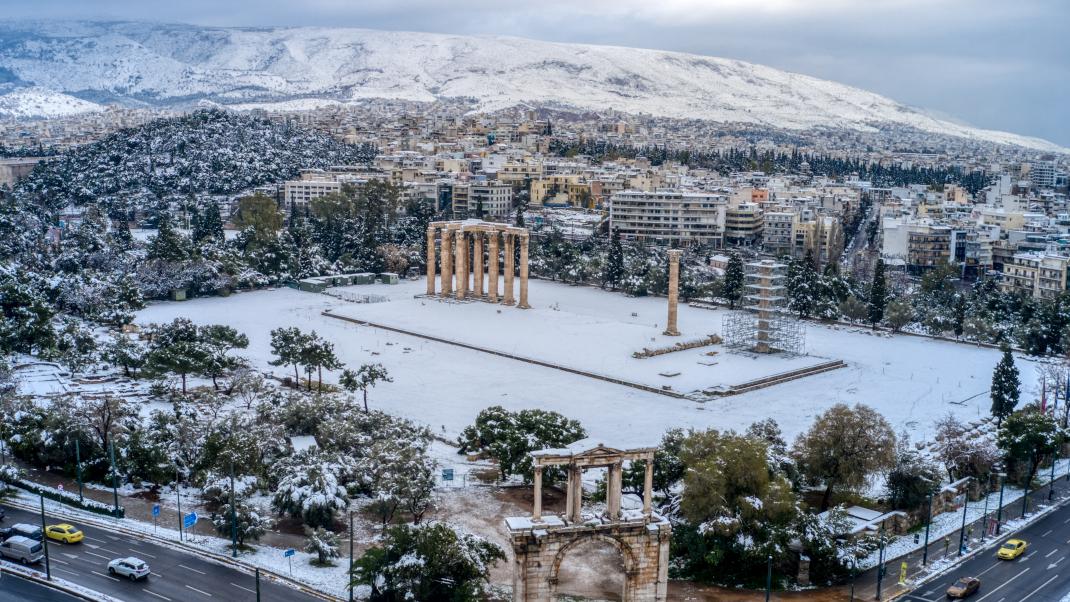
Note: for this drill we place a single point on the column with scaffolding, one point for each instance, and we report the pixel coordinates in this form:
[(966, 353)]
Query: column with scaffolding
[(763, 326)]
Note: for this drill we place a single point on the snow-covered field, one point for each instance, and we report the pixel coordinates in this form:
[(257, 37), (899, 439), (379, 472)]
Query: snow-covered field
[(911, 380)]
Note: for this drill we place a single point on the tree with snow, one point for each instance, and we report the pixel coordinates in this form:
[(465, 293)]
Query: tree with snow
[(1005, 384), (844, 447), (963, 452), (427, 562), (219, 341), (286, 346), (613, 270), (247, 522), (1028, 437), (363, 379), (878, 295), (733, 283), (177, 348), (324, 544), (510, 437), (261, 214), (801, 286), (168, 244), (913, 478), (123, 350), (669, 469), (853, 309), (310, 488), (898, 314), (208, 229)]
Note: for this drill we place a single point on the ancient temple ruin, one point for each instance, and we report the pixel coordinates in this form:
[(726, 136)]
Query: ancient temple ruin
[(541, 542), (764, 326), (462, 274)]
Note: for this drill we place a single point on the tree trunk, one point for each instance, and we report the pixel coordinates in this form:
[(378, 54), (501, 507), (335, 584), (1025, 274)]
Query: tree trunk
[(214, 383), (319, 373), (183, 383), (297, 377), (827, 497), (365, 401)]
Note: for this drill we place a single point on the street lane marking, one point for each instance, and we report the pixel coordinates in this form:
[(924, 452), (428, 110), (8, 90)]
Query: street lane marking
[(71, 556), (59, 561), (109, 551), (94, 539), (1056, 563), (1030, 555), (244, 588), (142, 553), (1042, 585), (1004, 584), (66, 571), (1050, 553), (135, 544), (111, 537), (93, 546), (198, 591), (989, 569), (149, 591), (194, 570), (156, 575), (1047, 533), (98, 555), (103, 575)]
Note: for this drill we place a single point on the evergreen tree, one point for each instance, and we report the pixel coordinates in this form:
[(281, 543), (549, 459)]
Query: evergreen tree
[(803, 286), (1005, 383), (209, 225), (363, 379), (177, 348), (613, 270), (732, 287), (878, 295), (168, 244)]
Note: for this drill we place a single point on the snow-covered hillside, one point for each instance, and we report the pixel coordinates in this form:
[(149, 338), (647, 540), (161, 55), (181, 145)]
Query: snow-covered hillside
[(175, 64), (36, 101)]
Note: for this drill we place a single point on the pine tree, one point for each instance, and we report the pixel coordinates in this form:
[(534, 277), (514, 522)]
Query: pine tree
[(613, 271), (1005, 383), (732, 287), (168, 244), (878, 295), (209, 225)]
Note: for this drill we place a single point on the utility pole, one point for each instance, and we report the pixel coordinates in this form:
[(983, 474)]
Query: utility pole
[(350, 555), (962, 531), (928, 523), (78, 467), (178, 491), (768, 576), (999, 512), (233, 516), (880, 563), (257, 584), (114, 478), (44, 542), (1051, 484)]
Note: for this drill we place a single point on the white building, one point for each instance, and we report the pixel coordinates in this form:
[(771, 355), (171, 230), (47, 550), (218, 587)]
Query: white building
[(667, 216)]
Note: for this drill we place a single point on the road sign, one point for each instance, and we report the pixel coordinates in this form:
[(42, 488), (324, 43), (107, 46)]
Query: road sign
[(189, 520), (289, 552), (156, 510), (447, 474)]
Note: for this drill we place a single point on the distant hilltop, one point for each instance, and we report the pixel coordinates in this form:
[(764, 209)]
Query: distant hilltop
[(56, 68)]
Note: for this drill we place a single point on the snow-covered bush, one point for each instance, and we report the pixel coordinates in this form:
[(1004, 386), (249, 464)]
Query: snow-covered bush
[(310, 487), (323, 543), (251, 521)]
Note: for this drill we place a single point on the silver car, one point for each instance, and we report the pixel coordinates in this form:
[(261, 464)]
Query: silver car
[(130, 567), (22, 549)]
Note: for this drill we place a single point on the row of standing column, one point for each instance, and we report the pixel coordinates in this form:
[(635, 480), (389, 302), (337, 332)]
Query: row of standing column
[(614, 488), (458, 263)]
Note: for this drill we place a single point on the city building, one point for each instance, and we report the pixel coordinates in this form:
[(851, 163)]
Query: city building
[(669, 216)]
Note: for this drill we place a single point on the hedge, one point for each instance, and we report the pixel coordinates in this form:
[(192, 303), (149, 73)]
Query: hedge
[(67, 497)]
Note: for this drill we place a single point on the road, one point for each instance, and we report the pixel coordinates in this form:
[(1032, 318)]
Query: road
[(1042, 574), (177, 576), (17, 589)]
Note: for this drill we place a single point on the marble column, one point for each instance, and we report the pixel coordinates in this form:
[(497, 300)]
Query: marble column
[(477, 264), (460, 248), (536, 513), (674, 291), (577, 494), (431, 261), (613, 491), (524, 238), (447, 262), (648, 487), (510, 267), (492, 269)]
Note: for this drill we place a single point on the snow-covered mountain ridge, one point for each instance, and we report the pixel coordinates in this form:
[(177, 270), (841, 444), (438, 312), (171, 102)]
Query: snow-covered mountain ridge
[(176, 65)]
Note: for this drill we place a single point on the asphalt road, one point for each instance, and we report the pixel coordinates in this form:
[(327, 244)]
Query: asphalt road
[(17, 589), (177, 576), (1042, 574)]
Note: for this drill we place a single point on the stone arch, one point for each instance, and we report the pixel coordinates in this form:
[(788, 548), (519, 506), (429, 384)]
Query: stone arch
[(628, 556)]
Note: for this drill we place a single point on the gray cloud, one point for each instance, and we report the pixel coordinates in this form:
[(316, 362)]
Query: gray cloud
[(995, 64)]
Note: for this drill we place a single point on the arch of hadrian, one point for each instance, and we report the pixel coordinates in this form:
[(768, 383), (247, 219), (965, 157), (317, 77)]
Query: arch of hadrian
[(541, 543), (462, 274)]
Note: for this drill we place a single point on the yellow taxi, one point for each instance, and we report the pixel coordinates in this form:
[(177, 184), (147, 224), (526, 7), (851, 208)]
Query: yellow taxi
[(65, 533), (1011, 549)]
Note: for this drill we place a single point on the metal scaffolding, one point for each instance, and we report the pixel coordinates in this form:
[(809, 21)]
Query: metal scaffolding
[(764, 327)]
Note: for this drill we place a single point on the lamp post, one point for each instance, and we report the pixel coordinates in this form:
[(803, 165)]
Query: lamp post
[(984, 515), (78, 467), (880, 563), (114, 478), (928, 523), (999, 512), (768, 576), (1051, 483), (44, 542), (233, 516), (350, 555), (965, 507), (178, 491)]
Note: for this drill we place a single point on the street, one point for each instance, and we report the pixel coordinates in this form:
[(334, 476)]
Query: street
[(1042, 574), (176, 575), (17, 589)]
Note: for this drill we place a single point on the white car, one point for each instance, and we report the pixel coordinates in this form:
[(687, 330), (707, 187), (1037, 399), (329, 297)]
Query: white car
[(133, 568)]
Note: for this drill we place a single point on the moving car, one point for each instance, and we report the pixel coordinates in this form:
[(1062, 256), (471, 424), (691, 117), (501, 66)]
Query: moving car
[(964, 587), (133, 568), (64, 532), (1011, 549), (22, 549), (23, 529)]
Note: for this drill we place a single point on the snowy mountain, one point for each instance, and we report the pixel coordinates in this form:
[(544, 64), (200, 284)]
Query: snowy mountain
[(176, 65), (35, 101)]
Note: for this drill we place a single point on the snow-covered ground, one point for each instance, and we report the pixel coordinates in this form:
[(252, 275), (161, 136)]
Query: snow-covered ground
[(911, 380)]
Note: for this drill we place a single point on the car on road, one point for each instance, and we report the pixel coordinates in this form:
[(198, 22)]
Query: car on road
[(1011, 549), (22, 549), (64, 532), (964, 587), (130, 567), (23, 529)]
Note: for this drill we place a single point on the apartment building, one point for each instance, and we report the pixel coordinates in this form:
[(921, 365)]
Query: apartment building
[(669, 216), (493, 199), (928, 247), (778, 232), (1040, 275), (743, 223)]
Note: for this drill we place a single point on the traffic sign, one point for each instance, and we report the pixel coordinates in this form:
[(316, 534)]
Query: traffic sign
[(189, 520), (156, 510), (289, 552), (447, 474)]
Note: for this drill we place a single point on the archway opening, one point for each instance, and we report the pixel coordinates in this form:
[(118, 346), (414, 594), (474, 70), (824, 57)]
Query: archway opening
[(591, 570)]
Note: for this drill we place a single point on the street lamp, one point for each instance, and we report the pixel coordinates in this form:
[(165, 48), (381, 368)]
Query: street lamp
[(984, 515), (928, 523), (999, 512), (965, 506)]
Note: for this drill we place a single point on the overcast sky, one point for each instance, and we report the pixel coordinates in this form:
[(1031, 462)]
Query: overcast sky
[(1000, 64)]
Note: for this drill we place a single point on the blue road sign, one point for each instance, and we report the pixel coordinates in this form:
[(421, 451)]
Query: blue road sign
[(156, 510), (447, 474), (289, 552), (189, 520)]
